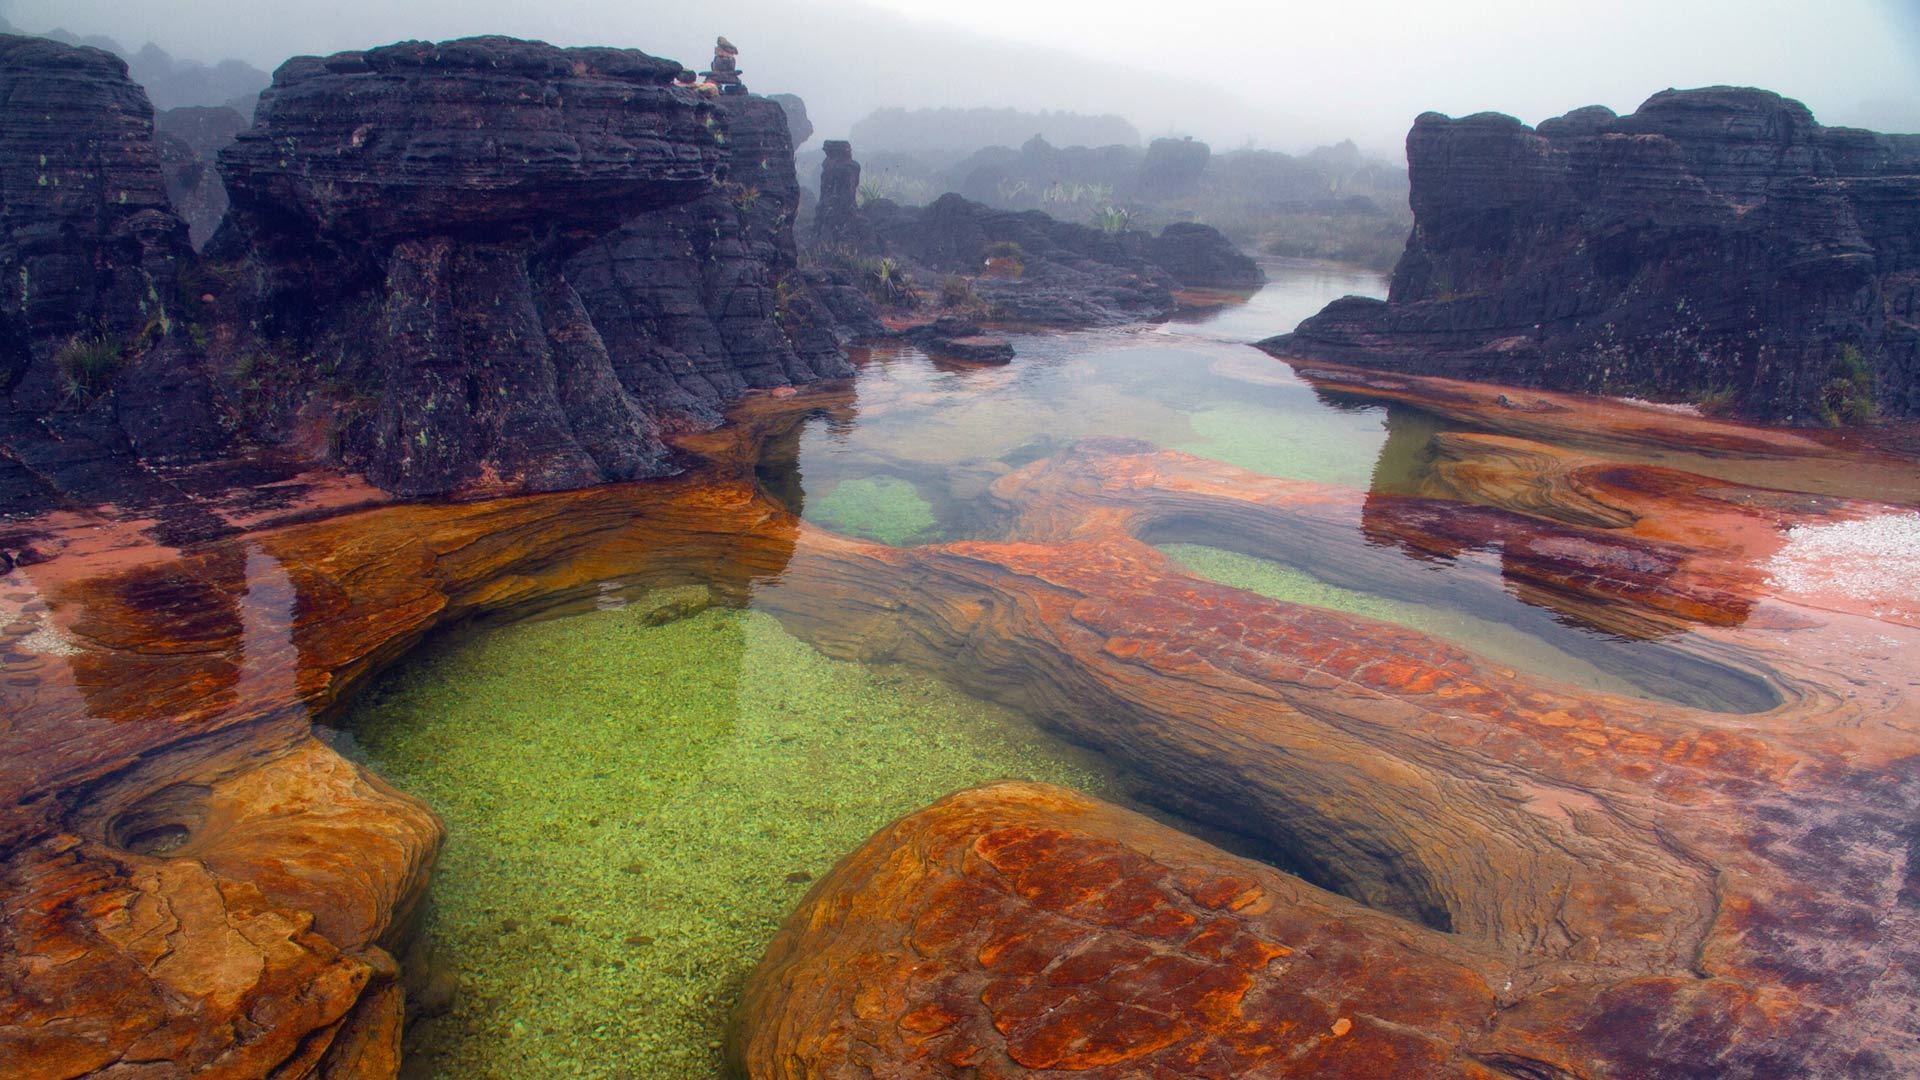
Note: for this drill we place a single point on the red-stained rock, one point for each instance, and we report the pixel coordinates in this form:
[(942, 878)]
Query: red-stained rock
[(1022, 927)]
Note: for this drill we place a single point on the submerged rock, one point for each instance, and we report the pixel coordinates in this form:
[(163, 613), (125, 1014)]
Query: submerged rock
[(1717, 243)]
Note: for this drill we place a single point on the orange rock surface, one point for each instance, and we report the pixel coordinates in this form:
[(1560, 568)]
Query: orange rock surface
[(1510, 876)]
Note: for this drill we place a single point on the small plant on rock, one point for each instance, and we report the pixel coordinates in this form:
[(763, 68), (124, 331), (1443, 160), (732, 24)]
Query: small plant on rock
[(1111, 219), (86, 365), (1847, 397)]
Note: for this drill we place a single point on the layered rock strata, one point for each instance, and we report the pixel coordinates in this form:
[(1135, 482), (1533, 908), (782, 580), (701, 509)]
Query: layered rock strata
[(701, 302), (407, 213), (1716, 243), (98, 363)]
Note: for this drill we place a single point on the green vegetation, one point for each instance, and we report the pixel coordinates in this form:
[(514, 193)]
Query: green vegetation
[(1112, 219), (633, 808), (1717, 401), (957, 292), (1847, 397), (1317, 447), (883, 508), (87, 364)]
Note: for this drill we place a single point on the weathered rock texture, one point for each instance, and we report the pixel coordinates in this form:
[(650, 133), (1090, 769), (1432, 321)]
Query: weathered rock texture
[(1609, 886), (408, 212), (1716, 241), (95, 361), (493, 265), (837, 222), (1632, 887), (703, 301)]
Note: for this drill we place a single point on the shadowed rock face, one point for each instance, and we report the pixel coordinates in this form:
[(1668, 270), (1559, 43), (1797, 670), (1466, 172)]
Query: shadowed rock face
[(703, 301), (1198, 255), (496, 265), (95, 362), (1716, 240), (90, 243), (410, 209)]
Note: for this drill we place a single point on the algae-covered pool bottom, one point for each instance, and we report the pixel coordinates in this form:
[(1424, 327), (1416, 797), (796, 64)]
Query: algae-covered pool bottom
[(632, 809)]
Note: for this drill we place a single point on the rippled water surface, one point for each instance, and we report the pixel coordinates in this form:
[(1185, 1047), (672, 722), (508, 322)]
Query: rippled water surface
[(636, 796)]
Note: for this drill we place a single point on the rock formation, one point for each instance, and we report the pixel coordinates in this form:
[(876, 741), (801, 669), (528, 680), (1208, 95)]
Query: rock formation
[(1716, 242), (409, 210), (189, 140), (92, 259), (1199, 256), (1068, 274), (700, 302), (799, 127), (837, 223), (495, 265)]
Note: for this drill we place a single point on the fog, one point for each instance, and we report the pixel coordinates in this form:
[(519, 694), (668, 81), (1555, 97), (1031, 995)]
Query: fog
[(1277, 75)]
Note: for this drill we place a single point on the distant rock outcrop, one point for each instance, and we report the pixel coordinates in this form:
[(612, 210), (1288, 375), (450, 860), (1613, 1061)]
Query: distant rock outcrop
[(1717, 242), (189, 140), (1198, 255)]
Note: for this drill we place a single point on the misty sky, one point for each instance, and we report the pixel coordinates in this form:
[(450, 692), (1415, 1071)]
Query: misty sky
[(1275, 74)]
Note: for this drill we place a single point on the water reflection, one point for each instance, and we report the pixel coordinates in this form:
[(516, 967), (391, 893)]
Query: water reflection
[(919, 463)]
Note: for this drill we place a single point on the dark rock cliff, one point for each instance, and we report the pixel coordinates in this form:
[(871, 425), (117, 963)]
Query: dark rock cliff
[(96, 361), (705, 300), (1716, 242), (408, 213), (496, 265)]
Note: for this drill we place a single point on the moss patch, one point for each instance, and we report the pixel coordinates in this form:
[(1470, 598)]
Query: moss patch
[(633, 809), (882, 508)]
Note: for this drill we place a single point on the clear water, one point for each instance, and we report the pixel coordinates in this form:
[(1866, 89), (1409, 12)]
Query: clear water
[(636, 797)]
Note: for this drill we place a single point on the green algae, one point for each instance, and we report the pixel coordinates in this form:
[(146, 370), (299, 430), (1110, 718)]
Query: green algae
[(883, 508), (1497, 641), (633, 809), (1325, 447)]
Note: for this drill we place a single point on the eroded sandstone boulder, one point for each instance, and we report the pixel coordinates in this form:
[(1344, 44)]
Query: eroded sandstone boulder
[(1198, 255), (408, 212), (1022, 928), (1717, 242)]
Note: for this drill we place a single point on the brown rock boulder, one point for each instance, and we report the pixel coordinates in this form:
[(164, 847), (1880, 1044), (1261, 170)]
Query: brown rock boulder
[(1021, 928)]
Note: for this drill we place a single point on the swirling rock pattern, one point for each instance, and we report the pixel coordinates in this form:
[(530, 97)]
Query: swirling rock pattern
[(1508, 876), (1715, 240)]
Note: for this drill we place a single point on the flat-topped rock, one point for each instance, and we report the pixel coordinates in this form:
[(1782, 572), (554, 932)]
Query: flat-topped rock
[(1716, 243), (419, 137)]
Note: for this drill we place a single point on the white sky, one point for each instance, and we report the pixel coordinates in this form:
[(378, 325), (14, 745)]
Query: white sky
[(1279, 74)]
